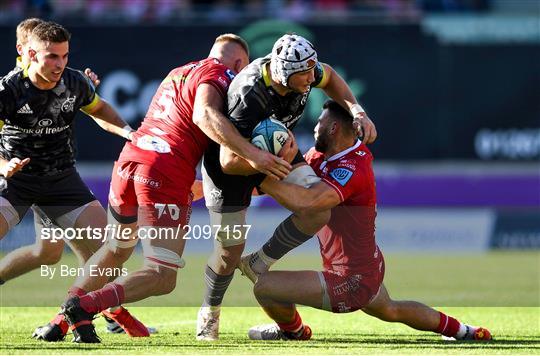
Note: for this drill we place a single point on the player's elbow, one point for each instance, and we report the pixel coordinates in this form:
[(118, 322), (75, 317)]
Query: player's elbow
[(227, 163)]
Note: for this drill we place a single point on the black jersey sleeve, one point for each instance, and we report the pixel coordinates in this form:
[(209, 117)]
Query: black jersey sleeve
[(320, 75), (7, 99), (88, 91)]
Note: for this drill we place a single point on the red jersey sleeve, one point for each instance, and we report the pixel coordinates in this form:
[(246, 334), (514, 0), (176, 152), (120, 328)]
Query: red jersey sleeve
[(219, 76)]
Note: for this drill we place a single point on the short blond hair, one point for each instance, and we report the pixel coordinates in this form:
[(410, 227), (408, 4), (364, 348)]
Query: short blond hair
[(231, 37), (25, 28)]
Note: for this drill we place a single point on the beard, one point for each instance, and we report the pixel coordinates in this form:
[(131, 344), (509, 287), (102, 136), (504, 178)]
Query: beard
[(321, 143)]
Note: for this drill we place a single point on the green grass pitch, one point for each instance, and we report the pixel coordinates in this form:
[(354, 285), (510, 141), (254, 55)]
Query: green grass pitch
[(497, 290)]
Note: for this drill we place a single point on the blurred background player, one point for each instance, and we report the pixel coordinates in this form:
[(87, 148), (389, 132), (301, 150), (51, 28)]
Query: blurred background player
[(276, 86), (353, 264), (152, 179), (42, 85)]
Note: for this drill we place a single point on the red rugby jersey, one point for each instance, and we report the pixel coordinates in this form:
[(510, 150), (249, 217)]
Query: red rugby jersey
[(167, 138), (347, 242)]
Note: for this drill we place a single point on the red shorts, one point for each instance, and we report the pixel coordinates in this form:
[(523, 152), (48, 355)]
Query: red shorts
[(350, 292), (140, 193)]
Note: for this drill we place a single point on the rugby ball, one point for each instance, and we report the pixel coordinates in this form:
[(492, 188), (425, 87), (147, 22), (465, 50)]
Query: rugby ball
[(270, 135)]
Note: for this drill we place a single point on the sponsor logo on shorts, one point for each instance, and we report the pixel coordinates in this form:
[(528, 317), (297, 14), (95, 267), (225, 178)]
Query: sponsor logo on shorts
[(342, 307), (216, 195), (139, 178), (350, 284), (68, 105)]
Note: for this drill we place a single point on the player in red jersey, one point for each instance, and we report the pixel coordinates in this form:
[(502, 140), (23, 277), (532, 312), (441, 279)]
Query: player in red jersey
[(151, 183), (353, 265)]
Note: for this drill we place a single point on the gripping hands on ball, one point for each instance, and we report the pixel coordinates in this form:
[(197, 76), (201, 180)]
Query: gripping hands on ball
[(277, 146)]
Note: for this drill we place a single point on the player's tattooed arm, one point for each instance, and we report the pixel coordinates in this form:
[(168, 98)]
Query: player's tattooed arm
[(208, 116), (318, 197), (336, 88), (109, 120)]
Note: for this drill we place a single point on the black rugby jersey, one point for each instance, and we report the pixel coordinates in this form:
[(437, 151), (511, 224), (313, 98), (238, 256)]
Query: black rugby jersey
[(39, 123), (251, 98)]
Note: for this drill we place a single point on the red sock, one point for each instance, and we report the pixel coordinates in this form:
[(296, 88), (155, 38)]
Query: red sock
[(294, 326), (110, 295), (76, 291), (448, 326)]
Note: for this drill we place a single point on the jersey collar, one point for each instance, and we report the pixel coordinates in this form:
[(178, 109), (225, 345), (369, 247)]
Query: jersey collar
[(342, 153)]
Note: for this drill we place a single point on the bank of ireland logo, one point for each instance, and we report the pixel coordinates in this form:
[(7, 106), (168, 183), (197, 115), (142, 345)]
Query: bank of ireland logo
[(68, 105), (45, 122), (341, 175)]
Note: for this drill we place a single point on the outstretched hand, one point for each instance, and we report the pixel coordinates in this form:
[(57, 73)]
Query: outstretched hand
[(12, 166)]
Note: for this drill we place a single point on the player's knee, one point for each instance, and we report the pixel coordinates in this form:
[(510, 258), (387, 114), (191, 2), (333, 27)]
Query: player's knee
[(164, 279), (263, 286), (225, 259)]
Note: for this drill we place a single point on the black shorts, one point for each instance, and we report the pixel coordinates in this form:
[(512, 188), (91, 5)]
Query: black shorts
[(225, 193), (56, 194)]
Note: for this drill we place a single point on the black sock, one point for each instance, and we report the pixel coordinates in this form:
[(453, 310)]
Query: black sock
[(285, 238), (216, 286)]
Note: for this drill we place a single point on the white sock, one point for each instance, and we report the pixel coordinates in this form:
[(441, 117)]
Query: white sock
[(260, 262), (216, 309), (465, 332)]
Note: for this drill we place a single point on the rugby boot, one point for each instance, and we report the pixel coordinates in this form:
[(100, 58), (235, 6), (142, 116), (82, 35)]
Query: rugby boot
[(273, 332), (127, 322), (80, 322), (53, 331)]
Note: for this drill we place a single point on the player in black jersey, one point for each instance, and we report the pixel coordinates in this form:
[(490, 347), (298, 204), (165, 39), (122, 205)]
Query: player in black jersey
[(276, 86), (43, 252), (38, 104)]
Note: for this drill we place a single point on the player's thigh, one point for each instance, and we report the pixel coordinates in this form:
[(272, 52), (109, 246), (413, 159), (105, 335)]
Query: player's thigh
[(163, 215), (47, 243), (379, 303), (298, 287), (15, 200)]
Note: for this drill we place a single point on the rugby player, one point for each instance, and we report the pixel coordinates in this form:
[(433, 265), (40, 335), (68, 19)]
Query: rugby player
[(152, 179), (276, 86), (45, 251), (38, 103), (353, 264)]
